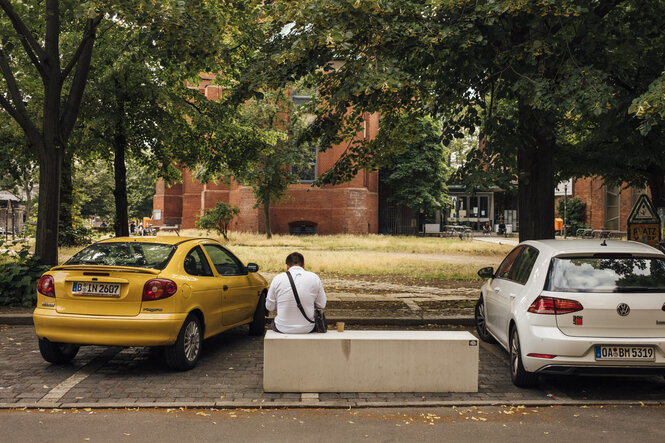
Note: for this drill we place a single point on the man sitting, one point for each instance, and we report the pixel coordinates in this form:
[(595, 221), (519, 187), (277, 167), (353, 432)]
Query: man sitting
[(289, 319), (502, 228)]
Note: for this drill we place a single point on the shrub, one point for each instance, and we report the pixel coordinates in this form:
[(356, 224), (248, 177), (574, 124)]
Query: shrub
[(74, 236), (575, 214), (218, 218), (19, 273)]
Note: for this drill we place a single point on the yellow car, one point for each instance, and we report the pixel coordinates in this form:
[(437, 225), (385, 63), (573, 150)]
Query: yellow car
[(147, 291)]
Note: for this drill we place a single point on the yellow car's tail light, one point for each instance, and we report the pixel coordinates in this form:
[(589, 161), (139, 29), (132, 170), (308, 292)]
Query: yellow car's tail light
[(46, 286), (159, 288)]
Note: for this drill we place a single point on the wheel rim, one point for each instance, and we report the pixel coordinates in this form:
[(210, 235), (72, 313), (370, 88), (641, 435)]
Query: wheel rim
[(192, 341), (514, 352), (480, 319)]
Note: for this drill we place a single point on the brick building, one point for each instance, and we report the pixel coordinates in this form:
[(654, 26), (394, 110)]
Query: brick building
[(351, 207), (607, 207)]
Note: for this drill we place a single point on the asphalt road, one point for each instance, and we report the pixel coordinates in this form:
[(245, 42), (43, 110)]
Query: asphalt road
[(495, 424)]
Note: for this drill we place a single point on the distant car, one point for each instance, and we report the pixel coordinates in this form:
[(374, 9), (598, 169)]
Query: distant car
[(564, 306), (139, 291)]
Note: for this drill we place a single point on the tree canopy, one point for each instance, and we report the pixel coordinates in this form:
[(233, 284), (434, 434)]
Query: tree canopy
[(46, 54), (517, 70)]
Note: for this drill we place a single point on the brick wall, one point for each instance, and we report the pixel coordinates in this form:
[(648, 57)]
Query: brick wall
[(592, 191), (351, 207)]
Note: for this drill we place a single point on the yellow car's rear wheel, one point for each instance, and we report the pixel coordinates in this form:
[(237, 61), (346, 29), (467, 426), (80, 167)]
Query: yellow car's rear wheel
[(184, 354)]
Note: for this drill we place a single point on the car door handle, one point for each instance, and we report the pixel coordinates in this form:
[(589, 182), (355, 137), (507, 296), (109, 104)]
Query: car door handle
[(497, 290), (224, 288)]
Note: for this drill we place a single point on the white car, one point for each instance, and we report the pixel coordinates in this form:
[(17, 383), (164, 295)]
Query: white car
[(564, 306)]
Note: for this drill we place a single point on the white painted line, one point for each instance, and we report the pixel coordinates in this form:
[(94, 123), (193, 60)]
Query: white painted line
[(63, 388), (412, 305)]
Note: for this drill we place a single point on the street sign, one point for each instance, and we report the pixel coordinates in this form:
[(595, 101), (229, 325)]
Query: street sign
[(644, 223)]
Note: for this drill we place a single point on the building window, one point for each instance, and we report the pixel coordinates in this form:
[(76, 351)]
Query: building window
[(612, 208), (302, 228), (307, 173)]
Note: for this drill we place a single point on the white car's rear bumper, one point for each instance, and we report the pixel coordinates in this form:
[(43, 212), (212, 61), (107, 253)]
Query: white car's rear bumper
[(579, 352)]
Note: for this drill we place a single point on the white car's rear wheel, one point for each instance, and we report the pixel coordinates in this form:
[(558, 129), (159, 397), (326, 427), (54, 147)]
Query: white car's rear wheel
[(481, 322), (518, 374)]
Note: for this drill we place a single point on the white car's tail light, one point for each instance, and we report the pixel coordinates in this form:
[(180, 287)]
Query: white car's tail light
[(548, 356), (554, 306)]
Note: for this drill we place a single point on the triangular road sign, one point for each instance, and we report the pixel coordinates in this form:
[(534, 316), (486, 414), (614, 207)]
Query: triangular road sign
[(643, 211)]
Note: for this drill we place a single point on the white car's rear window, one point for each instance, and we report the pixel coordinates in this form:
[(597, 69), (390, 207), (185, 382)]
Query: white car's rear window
[(607, 274)]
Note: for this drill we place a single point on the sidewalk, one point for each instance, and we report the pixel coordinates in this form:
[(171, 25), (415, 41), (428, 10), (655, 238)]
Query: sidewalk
[(230, 375)]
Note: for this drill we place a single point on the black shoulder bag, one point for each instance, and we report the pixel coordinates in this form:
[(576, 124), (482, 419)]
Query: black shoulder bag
[(319, 316)]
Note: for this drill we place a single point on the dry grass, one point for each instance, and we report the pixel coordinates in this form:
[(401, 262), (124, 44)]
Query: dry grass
[(420, 257), (372, 242)]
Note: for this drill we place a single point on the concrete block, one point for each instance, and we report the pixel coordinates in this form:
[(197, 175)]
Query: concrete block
[(371, 361)]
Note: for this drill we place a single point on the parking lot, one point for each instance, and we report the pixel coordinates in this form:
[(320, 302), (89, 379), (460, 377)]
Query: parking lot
[(229, 374)]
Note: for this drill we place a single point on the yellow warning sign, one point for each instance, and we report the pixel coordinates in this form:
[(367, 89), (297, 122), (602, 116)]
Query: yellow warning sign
[(648, 233)]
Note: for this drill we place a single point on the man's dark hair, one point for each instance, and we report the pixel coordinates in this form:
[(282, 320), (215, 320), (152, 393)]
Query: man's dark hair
[(295, 259)]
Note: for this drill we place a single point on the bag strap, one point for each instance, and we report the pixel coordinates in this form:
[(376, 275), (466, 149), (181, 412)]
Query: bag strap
[(295, 294)]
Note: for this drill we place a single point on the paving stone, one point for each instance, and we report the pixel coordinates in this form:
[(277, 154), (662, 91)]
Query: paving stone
[(231, 372)]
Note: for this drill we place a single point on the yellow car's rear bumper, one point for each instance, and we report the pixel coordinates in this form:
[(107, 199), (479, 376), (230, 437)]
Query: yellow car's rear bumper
[(142, 330)]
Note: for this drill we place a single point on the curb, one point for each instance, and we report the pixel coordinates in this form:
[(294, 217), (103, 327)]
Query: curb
[(26, 319), (325, 404), (16, 319)]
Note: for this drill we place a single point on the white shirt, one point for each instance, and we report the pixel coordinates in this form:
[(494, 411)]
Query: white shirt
[(289, 319)]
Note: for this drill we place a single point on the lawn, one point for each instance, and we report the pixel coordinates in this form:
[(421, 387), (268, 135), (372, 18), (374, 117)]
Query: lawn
[(375, 255), (416, 257)]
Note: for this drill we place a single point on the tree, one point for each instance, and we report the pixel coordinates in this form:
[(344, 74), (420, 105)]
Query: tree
[(280, 151), (218, 218), (62, 66), (45, 58), (418, 175), (622, 137), (575, 213), (455, 59)]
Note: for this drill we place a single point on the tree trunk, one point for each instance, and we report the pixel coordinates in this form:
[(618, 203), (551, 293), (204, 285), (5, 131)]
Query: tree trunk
[(46, 242), (536, 175), (66, 199), (656, 182), (121, 225), (266, 214)]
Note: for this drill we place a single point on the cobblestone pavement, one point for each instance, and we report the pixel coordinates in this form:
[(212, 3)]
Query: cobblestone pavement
[(229, 374)]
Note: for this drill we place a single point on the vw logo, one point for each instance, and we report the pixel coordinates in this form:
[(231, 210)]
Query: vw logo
[(623, 309)]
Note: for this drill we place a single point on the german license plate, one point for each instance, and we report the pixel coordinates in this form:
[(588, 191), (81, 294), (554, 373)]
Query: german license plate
[(96, 289), (632, 353)]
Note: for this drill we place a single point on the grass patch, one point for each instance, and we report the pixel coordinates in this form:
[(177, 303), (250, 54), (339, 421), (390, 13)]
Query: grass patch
[(378, 255), (371, 242)]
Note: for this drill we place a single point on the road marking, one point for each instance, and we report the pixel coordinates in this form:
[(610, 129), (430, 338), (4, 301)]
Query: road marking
[(412, 305), (64, 387)]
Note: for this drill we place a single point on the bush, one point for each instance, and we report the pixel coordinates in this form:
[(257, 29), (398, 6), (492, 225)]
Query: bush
[(19, 273), (74, 236), (575, 214), (218, 218)]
